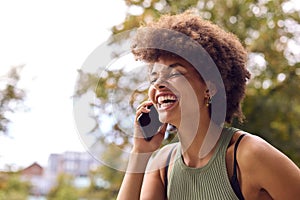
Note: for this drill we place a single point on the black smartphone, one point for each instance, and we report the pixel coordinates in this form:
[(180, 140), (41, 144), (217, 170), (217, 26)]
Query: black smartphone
[(149, 123)]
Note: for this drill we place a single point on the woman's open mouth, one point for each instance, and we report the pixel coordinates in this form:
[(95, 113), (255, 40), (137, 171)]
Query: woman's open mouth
[(166, 101)]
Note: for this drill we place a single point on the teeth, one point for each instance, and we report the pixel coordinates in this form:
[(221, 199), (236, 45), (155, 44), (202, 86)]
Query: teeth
[(165, 105), (161, 99)]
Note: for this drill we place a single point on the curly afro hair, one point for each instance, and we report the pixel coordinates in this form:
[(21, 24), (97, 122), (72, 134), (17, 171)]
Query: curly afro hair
[(224, 48)]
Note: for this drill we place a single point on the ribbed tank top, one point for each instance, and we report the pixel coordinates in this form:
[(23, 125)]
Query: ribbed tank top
[(208, 182)]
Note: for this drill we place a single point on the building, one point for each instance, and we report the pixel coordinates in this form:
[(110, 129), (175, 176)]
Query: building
[(33, 170), (34, 174), (73, 163), (77, 164)]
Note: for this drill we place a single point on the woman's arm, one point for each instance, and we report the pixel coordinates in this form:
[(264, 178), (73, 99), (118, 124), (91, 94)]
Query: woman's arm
[(154, 181), (269, 169), (140, 155), (133, 179)]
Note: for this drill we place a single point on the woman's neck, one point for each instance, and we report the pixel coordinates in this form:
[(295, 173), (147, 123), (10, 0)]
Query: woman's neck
[(198, 145)]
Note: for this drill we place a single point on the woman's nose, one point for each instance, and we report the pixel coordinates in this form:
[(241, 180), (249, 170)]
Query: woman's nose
[(160, 83)]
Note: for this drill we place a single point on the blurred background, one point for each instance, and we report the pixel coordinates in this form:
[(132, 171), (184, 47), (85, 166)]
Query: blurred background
[(43, 45)]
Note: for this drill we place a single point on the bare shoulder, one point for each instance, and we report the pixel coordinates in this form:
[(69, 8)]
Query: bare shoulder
[(257, 151), (254, 148), (269, 169), (158, 161)]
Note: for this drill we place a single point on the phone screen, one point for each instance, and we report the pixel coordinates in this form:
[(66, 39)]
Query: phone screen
[(149, 123)]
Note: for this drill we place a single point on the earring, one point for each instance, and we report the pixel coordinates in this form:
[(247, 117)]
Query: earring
[(208, 102)]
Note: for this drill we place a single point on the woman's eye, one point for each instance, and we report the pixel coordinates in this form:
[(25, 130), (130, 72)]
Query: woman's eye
[(165, 77), (153, 80), (175, 74)]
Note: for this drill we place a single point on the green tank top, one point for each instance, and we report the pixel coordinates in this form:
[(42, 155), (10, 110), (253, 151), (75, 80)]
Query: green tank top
[(208, 182)]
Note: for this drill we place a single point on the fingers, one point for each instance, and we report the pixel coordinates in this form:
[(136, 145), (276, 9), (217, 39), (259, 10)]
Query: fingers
[(143, 108), (143, 104)]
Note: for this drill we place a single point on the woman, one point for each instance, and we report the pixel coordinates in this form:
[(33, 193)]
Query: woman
[(209, 161)]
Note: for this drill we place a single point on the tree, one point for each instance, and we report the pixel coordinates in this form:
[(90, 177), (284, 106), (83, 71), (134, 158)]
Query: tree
[(11, 96), (269, 30), (105, 180), (64, 189), (11, 187)]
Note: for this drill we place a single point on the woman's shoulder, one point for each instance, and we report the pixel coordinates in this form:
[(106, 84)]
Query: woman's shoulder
[(268, 167), (169, 147), (166, 150), (256, 155), (159, 159), (253, 148)]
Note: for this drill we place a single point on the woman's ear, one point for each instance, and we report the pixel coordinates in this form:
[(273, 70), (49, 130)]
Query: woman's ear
[(211, 89)]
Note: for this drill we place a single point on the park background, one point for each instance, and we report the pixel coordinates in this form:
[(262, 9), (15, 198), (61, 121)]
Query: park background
[(270, 30)]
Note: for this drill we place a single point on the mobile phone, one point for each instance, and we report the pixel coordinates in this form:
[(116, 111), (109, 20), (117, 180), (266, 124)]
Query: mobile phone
[(149, 123)]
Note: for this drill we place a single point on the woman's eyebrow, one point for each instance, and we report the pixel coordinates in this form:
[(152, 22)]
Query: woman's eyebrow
[(175, 65)]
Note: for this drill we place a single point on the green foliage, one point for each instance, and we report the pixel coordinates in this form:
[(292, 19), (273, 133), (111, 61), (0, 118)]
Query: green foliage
[(270, 31), (64, 189), (12, 188), (114, 87), (105, 184), (10, 96), (272, 113)]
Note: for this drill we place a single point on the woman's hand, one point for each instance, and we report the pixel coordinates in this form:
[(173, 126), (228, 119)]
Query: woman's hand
[(140, 144)]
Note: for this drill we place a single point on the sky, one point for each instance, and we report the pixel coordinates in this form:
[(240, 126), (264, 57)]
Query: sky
[(51, 39)]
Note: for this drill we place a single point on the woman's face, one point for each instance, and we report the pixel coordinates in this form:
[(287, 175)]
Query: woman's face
[(176, 90)]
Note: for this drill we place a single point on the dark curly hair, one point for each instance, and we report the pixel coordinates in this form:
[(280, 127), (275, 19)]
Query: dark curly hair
[(154, 40)]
